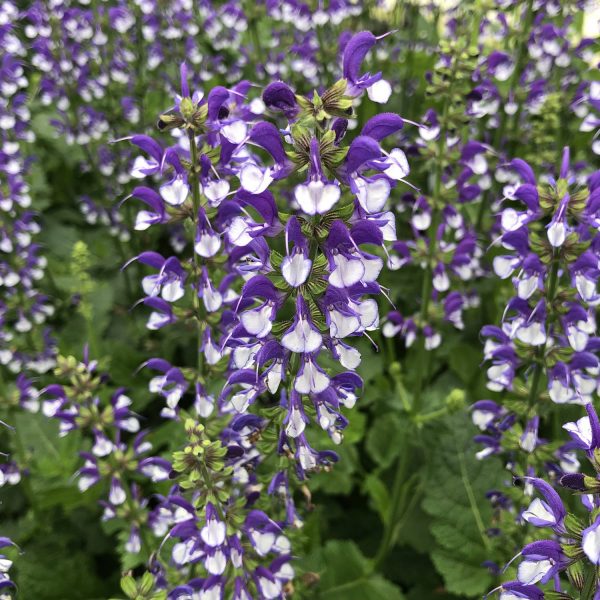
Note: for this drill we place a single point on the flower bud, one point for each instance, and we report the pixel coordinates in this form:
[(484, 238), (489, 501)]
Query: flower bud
[(455, 400)]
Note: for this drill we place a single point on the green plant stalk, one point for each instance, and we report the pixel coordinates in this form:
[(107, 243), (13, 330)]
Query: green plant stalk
[(472, 499), (251, 13), (539, 367), (125, 272), (25, 479), (390, 530), (431, 250), (92, 337), (519, 63), (400, 485), (195, 184), (323, 54), (432, 416)]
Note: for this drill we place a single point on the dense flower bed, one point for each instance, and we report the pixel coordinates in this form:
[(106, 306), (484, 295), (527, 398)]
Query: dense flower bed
[(298, 300)]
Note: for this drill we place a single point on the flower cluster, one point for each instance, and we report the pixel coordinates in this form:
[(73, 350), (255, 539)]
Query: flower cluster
[(574, 548), (23, 308), (241, 549), (299, 276), (545, 350), (89, 53), (549, 230), (548, 334), (443, 243), (321, 273), (512, 84), (85, 402), (268, 191), (6, 584)]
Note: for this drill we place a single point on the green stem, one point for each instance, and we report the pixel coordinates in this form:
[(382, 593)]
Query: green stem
[(432, 416), (400, 486), (520, 60), (323, 55), (125, 272), (540, 363), (195, 185), (390, 530), (250, 9), (23, 464), (472, 499), (431, 250)]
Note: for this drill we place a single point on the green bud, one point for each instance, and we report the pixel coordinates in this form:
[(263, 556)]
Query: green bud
[(455, 400), (395, 369), (128, 586), (186, 108), (147, 583), (169, 122)]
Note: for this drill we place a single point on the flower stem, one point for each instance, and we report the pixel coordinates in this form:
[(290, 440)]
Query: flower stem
[(520, 60), (431, 250), (390, 529), (195, 185), (540, 364), (22, 464), (432, 416)]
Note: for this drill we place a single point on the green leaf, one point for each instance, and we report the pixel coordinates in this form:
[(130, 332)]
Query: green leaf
[(378, 494), (464, 360), (48, 456), (383, 440), (454, 494), (57, 563), (346, 576)]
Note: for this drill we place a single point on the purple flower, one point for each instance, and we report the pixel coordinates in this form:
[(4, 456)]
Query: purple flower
[(549, 512)]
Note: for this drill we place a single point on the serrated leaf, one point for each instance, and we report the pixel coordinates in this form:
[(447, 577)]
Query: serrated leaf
[(457, 482), (47, 455), (464, 361), (346, 576)]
